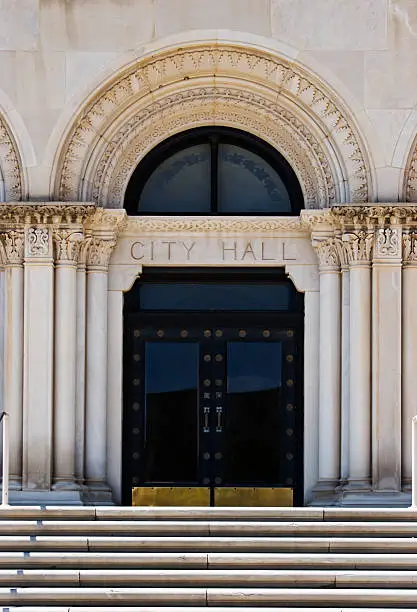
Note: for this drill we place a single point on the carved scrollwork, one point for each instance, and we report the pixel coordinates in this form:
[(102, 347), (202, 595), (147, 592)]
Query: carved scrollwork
[(388, 242), (37, 242), (212, 224), (10, 165)]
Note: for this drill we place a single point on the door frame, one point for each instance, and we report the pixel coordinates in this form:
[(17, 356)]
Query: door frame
[(292, 317)]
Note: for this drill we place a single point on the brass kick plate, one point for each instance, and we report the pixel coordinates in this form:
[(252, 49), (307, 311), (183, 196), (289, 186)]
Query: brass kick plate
[(170, 496), (253, 497)]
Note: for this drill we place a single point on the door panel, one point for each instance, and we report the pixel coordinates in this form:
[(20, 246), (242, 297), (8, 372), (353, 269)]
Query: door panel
[(214, 406)]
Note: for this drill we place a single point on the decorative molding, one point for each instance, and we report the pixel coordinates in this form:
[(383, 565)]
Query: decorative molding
[(13, 243), (410, 247), (48, 213), (157, 96), (37, 243), (227, 225), (375, 215), (67, 245), (10, 166), (388, 242)]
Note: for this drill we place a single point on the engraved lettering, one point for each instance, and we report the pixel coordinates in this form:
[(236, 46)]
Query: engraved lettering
[(264, 257), (152, 250), (227, 249), (169, 243), (135, 250), (284, 257), (248, 251), (188, 249)]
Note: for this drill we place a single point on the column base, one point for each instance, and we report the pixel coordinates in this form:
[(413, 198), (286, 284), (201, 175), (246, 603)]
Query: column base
[(44, 498), (324, 493), (97, 494)]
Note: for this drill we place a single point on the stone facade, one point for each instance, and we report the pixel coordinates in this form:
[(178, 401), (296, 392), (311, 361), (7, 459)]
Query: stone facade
[(87, 89)]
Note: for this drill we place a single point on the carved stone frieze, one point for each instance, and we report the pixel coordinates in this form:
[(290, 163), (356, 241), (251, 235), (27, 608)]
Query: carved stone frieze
[(38, 242), (13, 213), (388, 242), (157, 96), (152, 225), (67, 244), (10, 166), (374, 215)]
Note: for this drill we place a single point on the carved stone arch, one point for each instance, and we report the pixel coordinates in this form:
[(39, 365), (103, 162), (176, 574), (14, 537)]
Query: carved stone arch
[(410, 175), (11, 174), (212, 84)]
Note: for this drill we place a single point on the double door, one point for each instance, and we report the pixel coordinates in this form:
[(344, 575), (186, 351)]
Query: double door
[(213, 408)]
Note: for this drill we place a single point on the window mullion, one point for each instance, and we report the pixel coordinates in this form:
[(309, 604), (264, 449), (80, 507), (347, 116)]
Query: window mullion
[(214, 147)]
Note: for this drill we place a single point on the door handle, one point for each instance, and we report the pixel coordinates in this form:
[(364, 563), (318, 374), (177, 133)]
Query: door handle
[(206, 426), (219, 413)]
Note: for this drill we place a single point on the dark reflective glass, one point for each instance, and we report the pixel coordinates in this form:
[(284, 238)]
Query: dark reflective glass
[(181, 183), (171, 412), (248, 184), (212, 296), (253, 414)]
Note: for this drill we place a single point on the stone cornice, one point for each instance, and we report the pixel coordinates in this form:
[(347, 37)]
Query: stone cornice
[(45, 213)]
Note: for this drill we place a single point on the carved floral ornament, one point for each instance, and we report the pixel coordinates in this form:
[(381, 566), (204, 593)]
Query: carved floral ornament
[(11, 173), (252, 90)]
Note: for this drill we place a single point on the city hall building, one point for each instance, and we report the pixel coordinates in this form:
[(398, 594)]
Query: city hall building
[(208, 251)]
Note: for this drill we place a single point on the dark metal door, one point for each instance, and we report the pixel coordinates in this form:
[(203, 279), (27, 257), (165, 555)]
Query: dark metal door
[(213, 406)]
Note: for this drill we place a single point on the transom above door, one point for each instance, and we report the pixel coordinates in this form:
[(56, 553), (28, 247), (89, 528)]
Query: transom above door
[(213, 399)]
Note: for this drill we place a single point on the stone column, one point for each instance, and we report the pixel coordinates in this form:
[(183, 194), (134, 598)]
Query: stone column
[(80, 365), (96, 377), (358, 247), (38, 358), (345, 370), (409, 352), (386, 359), (67, 245), (13, 243), (329, 383)]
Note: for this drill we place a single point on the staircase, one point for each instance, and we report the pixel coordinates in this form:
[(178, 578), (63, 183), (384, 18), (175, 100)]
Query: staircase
[(126, 559)]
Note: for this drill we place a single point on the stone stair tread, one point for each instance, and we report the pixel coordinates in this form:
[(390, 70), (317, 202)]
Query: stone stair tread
[(364, 579), (292, 597), (210, 560)]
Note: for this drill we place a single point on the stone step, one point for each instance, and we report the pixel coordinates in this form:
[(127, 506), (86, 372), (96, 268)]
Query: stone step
[(213, 544), (117, 560), (193, 514), (185, 579), (279, 597), (209, 528)]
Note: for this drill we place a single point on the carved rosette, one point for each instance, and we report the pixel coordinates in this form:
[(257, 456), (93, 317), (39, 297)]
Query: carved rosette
[(13, 247), (99, 252), (38, 242), (327, 253), (67, 244)]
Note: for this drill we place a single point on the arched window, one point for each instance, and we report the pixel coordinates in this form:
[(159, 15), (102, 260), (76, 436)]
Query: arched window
[(213, 171)]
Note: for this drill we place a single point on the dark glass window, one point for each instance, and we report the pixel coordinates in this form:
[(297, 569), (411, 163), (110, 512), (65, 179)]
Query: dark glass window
[(214, 171)]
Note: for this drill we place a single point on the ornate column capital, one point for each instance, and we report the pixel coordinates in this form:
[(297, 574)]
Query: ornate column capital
[(12, 246), (98, 253), (327, 252), (67, 245), (358, 247), (410, 247)]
